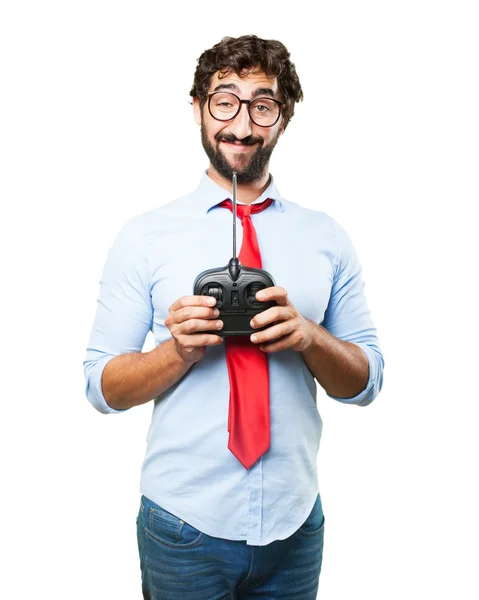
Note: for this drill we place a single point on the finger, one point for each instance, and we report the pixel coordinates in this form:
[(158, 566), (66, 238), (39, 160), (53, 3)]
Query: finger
[(275, 292), (275, 313), (203, 339), (194, 312), (192, 301), (281, 344), (191, 326), (272, 333)]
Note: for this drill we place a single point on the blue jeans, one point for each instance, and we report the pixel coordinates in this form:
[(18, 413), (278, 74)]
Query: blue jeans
[(179, 562)]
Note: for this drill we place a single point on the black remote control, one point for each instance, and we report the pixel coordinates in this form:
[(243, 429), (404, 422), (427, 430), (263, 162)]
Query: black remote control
[(234, 287)]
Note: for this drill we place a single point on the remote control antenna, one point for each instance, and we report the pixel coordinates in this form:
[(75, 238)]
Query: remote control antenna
[(234, 266), (234, 214)]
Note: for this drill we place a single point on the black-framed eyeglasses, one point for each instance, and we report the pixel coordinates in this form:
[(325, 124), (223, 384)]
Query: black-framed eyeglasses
[(224, 106)]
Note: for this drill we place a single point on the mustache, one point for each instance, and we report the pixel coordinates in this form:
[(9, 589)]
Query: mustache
[(247, 141)]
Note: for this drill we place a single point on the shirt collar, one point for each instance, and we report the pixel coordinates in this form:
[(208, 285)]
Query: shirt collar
[(209, 194)]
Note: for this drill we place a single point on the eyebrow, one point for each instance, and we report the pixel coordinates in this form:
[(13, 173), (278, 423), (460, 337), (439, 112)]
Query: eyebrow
[(257, 92)]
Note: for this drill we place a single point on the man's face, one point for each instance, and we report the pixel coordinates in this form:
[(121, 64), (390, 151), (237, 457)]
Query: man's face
[(249, 160)]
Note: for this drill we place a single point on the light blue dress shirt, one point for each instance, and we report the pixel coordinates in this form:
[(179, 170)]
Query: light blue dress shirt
[(188, 468)]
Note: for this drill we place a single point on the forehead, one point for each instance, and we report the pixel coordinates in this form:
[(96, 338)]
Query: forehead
[(246, 85)]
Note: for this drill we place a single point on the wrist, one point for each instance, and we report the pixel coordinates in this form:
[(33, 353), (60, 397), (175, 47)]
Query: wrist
[(184, 361)]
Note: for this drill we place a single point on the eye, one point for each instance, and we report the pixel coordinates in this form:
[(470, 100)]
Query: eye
[(263, 106)]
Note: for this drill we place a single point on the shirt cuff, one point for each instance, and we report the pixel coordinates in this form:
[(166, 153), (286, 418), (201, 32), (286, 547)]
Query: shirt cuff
[(369, 393), (93, 387)]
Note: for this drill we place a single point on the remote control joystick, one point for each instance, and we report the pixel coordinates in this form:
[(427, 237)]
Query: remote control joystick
[(235, 287), (215, 291), (251, 291)]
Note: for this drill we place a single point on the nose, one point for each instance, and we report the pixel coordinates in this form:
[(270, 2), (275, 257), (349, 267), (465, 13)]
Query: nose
[(241, 124)]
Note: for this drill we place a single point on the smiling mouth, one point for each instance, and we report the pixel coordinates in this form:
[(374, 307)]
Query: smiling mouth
[(236, 145)]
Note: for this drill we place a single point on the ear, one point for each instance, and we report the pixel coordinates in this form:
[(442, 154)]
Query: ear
[(197, 110)]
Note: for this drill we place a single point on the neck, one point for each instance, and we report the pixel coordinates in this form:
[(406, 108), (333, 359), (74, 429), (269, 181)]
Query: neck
[(245, 192)]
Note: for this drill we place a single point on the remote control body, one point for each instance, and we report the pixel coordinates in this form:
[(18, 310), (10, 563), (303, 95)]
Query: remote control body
[(235, 288)]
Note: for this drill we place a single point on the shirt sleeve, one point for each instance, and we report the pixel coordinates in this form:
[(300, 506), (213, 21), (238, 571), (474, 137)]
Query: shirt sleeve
[(348, 318), (124, 312)]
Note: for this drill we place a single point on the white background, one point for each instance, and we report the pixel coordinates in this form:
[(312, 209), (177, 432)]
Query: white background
[(96, 127)]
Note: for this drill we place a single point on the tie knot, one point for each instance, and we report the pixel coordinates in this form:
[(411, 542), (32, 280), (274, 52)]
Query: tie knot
[(244, 210)]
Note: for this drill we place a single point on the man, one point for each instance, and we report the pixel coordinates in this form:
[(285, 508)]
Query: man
[(209, 527)]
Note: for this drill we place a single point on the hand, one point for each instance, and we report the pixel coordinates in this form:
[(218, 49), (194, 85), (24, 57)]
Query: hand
[(291, 329), (188, 315)]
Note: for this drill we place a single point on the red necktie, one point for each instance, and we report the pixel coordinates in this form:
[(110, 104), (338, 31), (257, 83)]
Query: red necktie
[(248, 414)]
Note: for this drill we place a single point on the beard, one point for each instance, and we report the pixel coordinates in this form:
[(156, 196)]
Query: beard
[(257, 163)]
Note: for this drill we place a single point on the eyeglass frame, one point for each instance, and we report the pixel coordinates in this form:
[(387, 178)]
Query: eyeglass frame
[(248, 103)]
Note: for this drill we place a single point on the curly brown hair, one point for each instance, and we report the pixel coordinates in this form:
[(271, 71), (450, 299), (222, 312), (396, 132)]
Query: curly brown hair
[(243, 55)]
